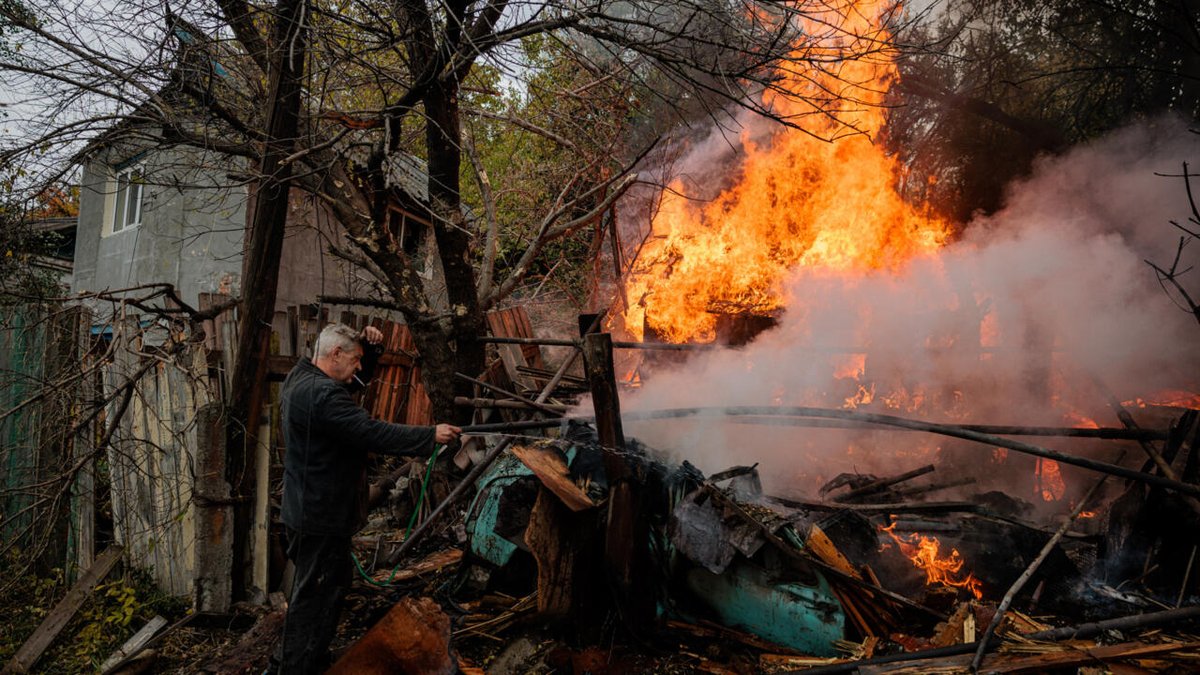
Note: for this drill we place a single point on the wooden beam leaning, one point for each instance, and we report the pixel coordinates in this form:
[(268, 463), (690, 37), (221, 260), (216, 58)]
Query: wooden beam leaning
[(46, 632)]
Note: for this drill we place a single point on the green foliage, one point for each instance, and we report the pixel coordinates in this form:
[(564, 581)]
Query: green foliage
[(571, 133), (114, 611), (12, 14)]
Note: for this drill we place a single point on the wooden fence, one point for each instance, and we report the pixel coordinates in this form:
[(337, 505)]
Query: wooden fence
[(38, 348), (164, 484)]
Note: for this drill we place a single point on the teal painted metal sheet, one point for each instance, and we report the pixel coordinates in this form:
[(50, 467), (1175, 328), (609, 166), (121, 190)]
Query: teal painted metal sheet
[(806, 618), (485, 510), (484, 513)]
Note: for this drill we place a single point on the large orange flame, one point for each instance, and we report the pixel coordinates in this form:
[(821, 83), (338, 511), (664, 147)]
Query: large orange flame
[(799, 200), (925, 554)]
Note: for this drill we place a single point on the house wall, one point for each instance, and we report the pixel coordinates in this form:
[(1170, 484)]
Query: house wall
[(190, 234)]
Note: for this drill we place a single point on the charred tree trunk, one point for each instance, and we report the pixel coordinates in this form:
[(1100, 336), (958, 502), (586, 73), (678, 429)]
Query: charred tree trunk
[(260, 275)]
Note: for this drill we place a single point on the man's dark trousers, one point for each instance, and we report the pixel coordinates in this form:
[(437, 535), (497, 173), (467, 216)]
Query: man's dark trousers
[(323, 573)]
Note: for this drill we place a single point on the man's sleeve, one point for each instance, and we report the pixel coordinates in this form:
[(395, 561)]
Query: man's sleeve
[(345, 420)]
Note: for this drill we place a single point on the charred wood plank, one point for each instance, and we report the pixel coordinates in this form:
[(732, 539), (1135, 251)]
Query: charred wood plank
[(625, 547), (547, 536), (883, 483), (1047, 662), (1173, 617)]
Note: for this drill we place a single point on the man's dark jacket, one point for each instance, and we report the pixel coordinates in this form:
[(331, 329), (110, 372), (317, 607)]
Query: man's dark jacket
[(327, 438)]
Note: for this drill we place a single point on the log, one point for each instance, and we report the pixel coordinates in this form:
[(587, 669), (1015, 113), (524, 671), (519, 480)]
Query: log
[(413, 637), (58, 618)]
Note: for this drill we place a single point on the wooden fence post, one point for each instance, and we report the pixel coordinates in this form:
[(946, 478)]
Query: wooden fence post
[(214, 514), (626, 537)]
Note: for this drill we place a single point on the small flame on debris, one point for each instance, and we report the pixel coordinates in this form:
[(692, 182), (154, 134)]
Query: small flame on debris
[(1079, 421), (926, 555), (863, 396), (1087, 514), (1050, 481)]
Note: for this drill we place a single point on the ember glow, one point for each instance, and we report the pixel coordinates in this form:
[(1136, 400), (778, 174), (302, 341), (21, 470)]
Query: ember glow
[(926, 555), (797, 201), (1173, 398)]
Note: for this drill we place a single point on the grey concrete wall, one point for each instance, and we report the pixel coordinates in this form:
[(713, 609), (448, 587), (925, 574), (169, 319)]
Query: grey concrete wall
[(190, 235)]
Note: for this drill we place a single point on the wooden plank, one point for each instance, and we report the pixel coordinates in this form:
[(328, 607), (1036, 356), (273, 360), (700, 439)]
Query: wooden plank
[(431, 563), (46, 632), (260, 526), (83, 492), (547, 536), (820, 545), (134, 644), (550, 468)]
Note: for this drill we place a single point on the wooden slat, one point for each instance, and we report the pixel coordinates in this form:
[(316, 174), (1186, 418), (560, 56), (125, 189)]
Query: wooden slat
[(43, 636), (550, 468)]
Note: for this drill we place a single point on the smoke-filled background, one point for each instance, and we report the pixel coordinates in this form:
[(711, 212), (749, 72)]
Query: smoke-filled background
[(1027, 318)]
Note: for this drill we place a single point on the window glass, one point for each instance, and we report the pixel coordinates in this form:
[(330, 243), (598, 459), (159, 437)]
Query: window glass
[(127, 205)]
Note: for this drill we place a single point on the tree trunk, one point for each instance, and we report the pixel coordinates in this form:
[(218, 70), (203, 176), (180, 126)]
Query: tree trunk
[(260, 276), (449, 345)]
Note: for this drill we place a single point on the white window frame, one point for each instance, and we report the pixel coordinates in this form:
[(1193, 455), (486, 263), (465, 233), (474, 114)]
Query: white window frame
[(125, 213)]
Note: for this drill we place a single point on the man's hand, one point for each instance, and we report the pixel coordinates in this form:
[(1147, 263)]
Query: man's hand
[(372, 335), (444, 433)]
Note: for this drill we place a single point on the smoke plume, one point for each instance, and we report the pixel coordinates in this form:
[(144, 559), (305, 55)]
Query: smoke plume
[(1031, 317)]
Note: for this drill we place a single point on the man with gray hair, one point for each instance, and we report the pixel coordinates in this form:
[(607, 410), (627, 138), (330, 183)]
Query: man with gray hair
[(327, 438)]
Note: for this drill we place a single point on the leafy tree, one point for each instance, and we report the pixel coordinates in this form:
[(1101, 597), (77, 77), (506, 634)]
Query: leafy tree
[(388, 81)]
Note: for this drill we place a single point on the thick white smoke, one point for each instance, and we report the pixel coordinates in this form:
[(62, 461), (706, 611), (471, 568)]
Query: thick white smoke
[(1058, 282)]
